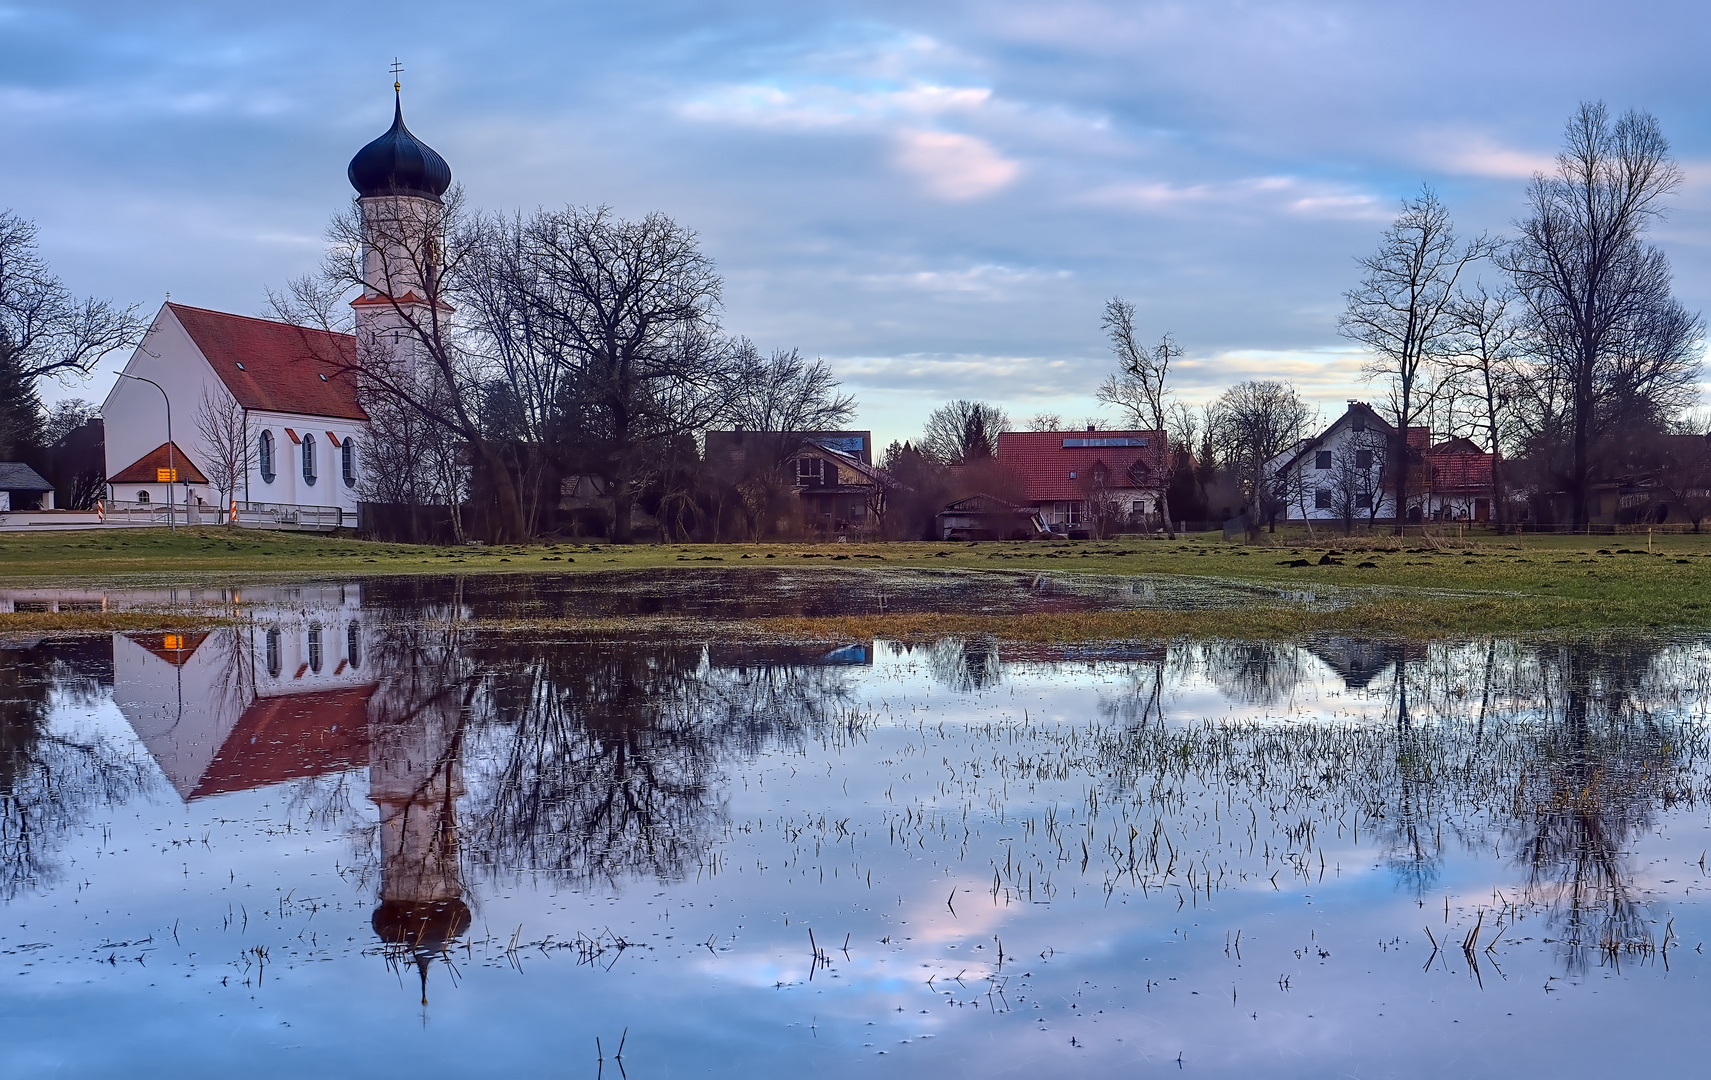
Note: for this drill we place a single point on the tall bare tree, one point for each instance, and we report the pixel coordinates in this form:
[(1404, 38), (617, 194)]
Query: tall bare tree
[(1486, 374), (1402, 311), (227, 451), (1140, 388), (1596, 295)]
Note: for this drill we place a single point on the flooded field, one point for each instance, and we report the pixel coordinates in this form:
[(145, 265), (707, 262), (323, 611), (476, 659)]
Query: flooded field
[(354, 834)]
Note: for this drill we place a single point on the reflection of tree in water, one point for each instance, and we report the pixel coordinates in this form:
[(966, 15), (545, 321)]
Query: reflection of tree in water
[(1599, 765), (962, 665), (598, 761), (1254, 672), (50, 780)]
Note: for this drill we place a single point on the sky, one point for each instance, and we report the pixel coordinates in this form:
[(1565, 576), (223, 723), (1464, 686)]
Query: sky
[(936, 198)]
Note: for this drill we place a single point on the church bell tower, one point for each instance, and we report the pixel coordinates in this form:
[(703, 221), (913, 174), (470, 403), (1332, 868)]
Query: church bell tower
[(399, 182)]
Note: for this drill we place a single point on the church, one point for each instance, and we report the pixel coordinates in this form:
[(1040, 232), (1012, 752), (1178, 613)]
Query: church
[(220, 417)]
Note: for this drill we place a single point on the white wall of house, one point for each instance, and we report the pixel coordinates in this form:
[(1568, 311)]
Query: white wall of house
[(135, 419), (1311, 487)]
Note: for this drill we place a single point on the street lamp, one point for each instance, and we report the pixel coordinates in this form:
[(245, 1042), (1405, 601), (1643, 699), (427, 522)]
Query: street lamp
[(171, 465)]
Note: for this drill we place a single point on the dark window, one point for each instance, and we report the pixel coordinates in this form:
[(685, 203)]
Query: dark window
[(1322, 460), (308, 459), (142, 496), (266, 457), (1363, 459), (810, 471), (347, 461), (1322, 499), (1364, 502), (1359, 423), (315, 647), (353, 645), (273, 653)]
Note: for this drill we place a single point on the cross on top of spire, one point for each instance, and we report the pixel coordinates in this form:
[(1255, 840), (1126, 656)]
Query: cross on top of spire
[(397, 70)]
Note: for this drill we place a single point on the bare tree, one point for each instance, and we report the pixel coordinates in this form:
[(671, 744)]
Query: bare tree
[(1250, 424), (963, 432), (1402, 311), (1357, 470), (44, 329), (1486, 374), (1141, 388), (1045, 421), (227, 452), (629, 309), (1597, 296)]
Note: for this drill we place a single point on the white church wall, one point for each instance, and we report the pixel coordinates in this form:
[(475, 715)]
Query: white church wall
[(134, 415)]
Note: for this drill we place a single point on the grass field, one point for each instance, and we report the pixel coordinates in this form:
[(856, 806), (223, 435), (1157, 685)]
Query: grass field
[(1484, 583)]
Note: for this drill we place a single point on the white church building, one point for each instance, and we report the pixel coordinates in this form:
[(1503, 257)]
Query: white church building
[(290, 392)]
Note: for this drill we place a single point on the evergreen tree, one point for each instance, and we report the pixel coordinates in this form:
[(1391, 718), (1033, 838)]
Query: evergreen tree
[(20, 411)]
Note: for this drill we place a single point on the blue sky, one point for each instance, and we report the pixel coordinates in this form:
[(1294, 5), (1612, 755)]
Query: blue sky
[(936, 198)]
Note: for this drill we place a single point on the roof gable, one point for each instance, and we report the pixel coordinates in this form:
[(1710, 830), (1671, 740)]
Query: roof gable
[(274, 366), (146, 469), (16, 476), (1044, 460)]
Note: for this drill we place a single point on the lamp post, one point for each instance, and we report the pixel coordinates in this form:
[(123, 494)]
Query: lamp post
[(171, 465)]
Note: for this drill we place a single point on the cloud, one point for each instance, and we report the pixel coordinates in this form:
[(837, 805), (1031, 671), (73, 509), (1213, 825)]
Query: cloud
[(989, 281), (827, 106), (954, 166), (1263, 194), (1467, 154)]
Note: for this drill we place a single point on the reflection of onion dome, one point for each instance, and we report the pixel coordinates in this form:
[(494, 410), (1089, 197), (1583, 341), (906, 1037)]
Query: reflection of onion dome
[(420, 926), (398, 163)]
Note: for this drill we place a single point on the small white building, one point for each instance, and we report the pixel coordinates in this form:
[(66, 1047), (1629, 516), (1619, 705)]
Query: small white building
[(300, 420)]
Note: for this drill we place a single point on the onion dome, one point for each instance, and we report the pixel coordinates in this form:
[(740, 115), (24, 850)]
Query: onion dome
[(398, 163)]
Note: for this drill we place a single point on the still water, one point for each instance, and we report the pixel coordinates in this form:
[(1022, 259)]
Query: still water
[(361, 834)]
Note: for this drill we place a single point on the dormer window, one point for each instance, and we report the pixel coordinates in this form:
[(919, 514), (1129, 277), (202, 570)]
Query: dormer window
[(810, 471)]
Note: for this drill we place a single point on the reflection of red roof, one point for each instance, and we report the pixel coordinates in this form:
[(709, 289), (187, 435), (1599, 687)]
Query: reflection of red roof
[(173, 647), (1460, 472), (145, 470), (283, 738), (276, 366), (1043, 463)]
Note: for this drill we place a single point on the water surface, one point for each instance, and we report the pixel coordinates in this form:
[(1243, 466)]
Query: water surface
[(352, 833)]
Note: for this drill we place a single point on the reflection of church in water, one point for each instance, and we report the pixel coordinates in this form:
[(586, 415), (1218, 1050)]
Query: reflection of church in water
[(292, 695)]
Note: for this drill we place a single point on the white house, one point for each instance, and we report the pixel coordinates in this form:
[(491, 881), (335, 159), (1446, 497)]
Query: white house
[(1340, 473), (294, 386)]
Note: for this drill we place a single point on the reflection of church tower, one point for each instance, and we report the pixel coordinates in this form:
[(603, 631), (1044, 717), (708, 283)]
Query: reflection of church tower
[(399, 180), (415, 777)]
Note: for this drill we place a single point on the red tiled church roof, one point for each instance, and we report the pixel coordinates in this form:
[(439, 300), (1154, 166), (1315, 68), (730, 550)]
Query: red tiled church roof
[(145, 470), (1043, 463), (283, 738), (275, 366)]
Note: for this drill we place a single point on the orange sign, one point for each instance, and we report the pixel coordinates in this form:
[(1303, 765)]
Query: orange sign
[(173, 642), (166, 476)]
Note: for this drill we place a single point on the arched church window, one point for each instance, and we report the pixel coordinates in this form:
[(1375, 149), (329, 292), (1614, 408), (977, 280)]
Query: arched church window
[(315, 647), (353, 644), (142, 497), (273, 652), (268, 471), (308, 459), (347, 460)]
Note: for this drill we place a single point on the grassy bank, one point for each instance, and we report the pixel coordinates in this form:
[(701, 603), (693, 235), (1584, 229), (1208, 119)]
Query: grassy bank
[(1416, 587)]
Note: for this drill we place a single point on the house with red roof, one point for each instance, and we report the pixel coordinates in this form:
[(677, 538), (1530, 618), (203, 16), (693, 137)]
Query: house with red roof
[(1083, 482), (291, 388)]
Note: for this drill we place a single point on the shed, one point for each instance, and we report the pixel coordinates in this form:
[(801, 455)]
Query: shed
[(22, 488), (985, 517)]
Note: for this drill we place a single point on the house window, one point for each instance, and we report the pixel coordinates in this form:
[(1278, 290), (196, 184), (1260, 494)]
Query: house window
[(315, 647), (142, 496), (1322, 499), (273, 652), (1363, 459), (1359, 423), (1138, 507), (810, 471), (308, 459), (347, 461), (1322, 460), (265, 454), (1364, 502), (353, 644)]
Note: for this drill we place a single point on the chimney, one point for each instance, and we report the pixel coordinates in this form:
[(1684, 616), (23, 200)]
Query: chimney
[(1089, 427)]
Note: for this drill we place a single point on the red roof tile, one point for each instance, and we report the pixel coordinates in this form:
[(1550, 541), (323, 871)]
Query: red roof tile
[(283, 738), (276, 366), (1043, 464), (145, 470), (1460, 472)]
